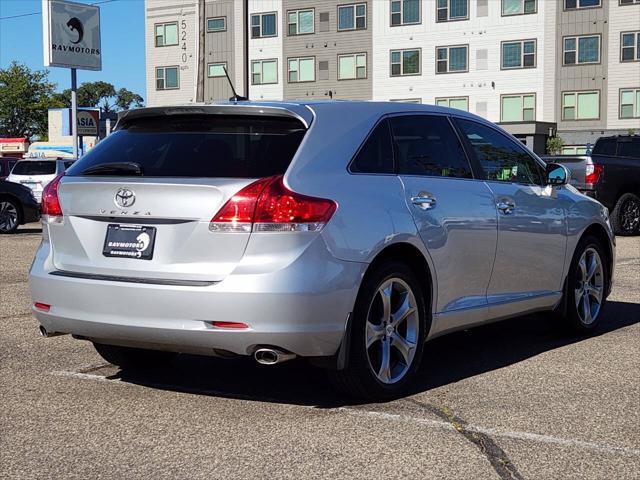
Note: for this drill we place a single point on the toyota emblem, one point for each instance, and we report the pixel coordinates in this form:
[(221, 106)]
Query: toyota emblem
[(125, 198)]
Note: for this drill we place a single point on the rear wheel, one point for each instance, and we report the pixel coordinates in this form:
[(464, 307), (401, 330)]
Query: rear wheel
[(387, 334), (587, 286), (134, 358), (625, 217), (9, 216)]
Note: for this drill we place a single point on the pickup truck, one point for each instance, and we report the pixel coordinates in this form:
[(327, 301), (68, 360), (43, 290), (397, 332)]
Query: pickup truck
[(611, 175)]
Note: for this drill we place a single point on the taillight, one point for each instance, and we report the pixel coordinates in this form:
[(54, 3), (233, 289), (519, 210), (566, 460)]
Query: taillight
[(50, 201), (268, 206), (593, 174)]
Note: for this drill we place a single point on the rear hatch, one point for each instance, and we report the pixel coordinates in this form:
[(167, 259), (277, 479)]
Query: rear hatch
[(158, 180), (35, 174)]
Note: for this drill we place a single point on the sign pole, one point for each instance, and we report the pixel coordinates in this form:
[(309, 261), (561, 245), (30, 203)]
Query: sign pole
[(74, 112)]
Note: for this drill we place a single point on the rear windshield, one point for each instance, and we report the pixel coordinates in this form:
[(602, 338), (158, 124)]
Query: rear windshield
[(200, 146), (34, 167), (605, 146)]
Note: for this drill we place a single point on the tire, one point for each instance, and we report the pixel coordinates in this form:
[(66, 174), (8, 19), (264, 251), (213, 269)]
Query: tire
[(581, 284), (625, 217), (364, 376), (9, 215), (133, 358)]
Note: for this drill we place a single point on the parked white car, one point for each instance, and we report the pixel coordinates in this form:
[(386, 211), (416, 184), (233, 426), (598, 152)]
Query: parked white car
[(36, 174)]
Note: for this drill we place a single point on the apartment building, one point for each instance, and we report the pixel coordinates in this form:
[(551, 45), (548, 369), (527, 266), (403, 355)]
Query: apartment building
[(538, 67)]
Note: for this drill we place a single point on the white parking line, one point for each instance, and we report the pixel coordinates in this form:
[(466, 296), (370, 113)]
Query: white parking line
[(494, 432), (395, 417)]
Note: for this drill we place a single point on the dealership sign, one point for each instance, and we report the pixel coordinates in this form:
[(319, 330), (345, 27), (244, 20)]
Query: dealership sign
[(71, 34), (88, 121)]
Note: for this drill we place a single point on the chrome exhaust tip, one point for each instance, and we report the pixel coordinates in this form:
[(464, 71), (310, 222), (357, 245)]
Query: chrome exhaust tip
[(47, 334), (271, 356)]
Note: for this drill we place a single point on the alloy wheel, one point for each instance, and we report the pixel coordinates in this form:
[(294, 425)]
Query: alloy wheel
[(589, 288), (392, 331), (8, 216), (630, 215)]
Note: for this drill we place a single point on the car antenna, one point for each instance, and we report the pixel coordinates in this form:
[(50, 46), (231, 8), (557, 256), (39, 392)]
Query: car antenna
[(236, 98)]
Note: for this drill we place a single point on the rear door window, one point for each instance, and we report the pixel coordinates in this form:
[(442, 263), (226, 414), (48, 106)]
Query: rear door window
[(501, 158), (376, 155), (34, 167), (427, 145), (200, 146), (629, 147)]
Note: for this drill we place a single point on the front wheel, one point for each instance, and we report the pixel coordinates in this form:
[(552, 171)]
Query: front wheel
[(625, 217), (9, 216), (387, 334), (587, 286), (133, 358)]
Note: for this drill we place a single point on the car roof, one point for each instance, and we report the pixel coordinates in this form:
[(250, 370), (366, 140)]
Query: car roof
[(303, 110)]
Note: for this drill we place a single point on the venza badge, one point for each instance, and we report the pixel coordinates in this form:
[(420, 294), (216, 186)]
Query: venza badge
[(125, 198)]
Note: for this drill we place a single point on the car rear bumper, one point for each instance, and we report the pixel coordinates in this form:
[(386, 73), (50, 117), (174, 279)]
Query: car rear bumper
[(301, 308)]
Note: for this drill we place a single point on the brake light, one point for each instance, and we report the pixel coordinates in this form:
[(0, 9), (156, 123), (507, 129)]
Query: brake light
[(51, 210), (593, 174), (268, 206)]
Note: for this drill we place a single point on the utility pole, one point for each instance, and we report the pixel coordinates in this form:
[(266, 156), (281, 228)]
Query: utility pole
[(201, 50), (74, 112)]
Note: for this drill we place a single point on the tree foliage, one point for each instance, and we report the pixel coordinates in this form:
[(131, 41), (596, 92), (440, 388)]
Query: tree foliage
[(554, 145), (25, 97), (103, 95)]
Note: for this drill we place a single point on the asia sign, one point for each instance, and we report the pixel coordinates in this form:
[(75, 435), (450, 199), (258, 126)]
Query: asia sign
[(71, 34), (88, 121)]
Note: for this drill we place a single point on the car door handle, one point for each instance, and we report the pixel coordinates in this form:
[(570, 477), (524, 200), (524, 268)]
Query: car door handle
[(425, 202), (506, 206)]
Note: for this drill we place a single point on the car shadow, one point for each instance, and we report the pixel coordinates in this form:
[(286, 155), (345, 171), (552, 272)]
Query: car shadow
[(446, 360), (28, 230)]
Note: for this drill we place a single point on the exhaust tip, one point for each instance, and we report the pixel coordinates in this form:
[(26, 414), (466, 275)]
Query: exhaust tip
[(47, 334), (271, 356), (43, 331)]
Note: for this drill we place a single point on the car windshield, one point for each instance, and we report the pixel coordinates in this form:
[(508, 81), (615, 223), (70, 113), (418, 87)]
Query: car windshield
[(34, 167), (196, 146)]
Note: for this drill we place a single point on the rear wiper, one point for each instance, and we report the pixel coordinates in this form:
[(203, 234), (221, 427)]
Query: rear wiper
[(117, 168)]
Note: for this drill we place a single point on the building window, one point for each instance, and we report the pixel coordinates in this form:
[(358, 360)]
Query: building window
[(629, 2), (575, 4), (405, 62), (352, 66), (166, 34), (580, 50), (264, 72), (581, 105), (519, 7), (167, 78), (352, 17), (405, 12), (216, 24), (300, 22), (215, 70), (630, 103), (574, 150), (519, 54), (263, 25), (302, 69), (518, 108), (452, 10), (630, 49), (452, 59), (461, 103)]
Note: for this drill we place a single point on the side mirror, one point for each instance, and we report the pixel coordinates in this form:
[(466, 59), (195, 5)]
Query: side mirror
[(557, 175)]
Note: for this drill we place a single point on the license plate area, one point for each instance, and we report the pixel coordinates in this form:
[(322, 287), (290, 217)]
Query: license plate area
[(129, 241)]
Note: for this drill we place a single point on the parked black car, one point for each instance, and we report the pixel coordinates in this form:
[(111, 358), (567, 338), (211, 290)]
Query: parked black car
[(6, 164), (17, 206), (611, 175)]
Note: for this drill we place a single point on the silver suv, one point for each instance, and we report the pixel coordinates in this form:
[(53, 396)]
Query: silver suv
[(36, 174), (348, 233)]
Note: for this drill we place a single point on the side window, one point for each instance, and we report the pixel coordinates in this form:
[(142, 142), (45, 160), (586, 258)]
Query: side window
[(427, 145), (629, 147), (502, 159), (376, 155)]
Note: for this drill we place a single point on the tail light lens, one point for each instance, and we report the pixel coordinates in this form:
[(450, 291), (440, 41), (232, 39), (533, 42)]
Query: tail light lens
[(50, 201), (268, 206), (593, 174)]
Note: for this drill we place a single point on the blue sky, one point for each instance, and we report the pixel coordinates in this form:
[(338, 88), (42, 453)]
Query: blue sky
[(123, 61)]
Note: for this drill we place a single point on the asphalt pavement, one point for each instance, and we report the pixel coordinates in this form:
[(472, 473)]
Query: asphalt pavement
[(513, 400)]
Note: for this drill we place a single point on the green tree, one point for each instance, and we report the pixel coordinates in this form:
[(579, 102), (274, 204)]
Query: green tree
[(103, 95), (125, 99), (25, 97), (554, 145)]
